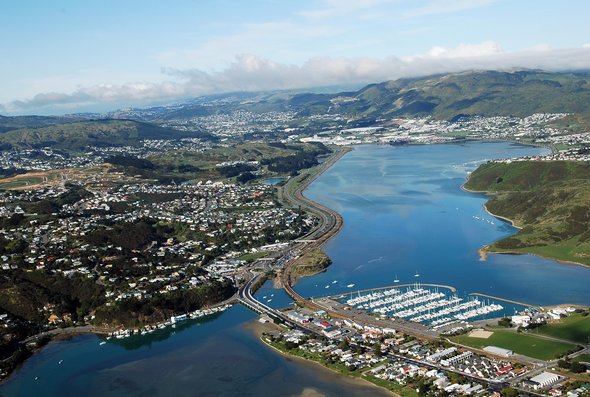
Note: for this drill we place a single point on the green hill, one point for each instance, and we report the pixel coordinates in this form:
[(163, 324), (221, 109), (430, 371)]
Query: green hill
[(18, 122), (486, 93), (550, 201), (445, 96), (96, 132)]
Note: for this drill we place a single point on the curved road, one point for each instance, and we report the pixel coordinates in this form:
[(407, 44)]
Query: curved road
[(329, 224)]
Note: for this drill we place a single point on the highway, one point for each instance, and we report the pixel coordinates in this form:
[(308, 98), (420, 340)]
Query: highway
[(246, 297), (329, 222)]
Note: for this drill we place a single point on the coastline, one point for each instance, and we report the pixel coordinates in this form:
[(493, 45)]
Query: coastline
[(60, 334), (560, 261), (57, 334), (511, 221), (484, 250), (259, 328), (317, 209)]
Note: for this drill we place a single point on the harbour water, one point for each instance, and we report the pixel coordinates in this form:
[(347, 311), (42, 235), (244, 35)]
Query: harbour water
[(404, 215), (215, 356)]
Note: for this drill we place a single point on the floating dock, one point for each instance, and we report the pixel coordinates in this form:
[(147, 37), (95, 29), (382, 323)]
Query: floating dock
[(433, 305)]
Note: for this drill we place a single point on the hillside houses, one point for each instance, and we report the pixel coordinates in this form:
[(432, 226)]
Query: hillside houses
[(140, 240)]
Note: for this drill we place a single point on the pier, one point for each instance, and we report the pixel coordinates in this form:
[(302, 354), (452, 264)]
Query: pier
[(363, 291), (504, 300), (421, 303)]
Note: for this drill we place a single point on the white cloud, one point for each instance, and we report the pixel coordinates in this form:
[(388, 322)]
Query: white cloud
[(486, 48), (253, 73)]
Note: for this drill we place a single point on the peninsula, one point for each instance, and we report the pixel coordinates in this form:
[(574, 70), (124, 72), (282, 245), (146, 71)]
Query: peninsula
[(546, 200)]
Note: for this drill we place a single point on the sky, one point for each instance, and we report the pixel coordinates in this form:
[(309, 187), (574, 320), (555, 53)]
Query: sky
[(64, 56)]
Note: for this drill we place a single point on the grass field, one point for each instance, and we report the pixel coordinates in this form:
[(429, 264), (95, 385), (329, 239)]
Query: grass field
[(575, 328), (583, 358), (527, 345), (252, 256)]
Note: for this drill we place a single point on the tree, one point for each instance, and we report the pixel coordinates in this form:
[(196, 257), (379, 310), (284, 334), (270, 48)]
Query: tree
[(423, 387), (290, 345), (344, 344), (456, 378), (577, 367), (564, 364), (16, 246), (377, 349), (509, 392)]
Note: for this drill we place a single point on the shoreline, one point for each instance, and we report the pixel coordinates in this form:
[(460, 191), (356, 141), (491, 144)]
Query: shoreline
[(61, 334), (315, 208), (488, 194), (58, 333), (560, 261), (258, 329), (484, 250)]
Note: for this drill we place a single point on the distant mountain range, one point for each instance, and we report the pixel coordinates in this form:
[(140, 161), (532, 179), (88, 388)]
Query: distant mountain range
[(448, 96), (18, 122), (485, 93)]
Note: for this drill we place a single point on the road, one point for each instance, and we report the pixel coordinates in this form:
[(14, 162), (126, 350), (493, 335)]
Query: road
[(246, 297), (329, 222)]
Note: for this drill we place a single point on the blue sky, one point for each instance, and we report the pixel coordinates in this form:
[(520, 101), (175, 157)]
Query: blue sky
[(61, 56)]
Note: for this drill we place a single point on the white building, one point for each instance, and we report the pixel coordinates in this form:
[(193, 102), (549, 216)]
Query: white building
[(545, 379), (498, 351)]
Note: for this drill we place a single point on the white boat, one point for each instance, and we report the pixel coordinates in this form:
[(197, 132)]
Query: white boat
[(334, 282), (396, 279), (350, 285), (327, 286), (102, 343)]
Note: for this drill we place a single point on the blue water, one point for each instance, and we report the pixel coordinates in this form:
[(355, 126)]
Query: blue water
[(405, 213), (273, 297), (209, 358), (274, 181)]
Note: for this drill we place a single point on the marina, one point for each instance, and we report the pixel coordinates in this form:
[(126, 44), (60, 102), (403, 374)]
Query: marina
[(438, 307)]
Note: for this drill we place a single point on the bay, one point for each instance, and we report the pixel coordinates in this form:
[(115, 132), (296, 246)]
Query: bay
[(217, 356), (405, 214)]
